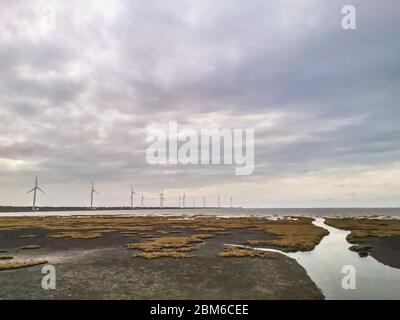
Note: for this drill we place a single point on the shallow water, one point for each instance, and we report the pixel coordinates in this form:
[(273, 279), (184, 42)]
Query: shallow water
[(324, 265)]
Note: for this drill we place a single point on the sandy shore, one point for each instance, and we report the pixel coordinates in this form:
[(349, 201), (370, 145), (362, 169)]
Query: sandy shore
[(104, 268)]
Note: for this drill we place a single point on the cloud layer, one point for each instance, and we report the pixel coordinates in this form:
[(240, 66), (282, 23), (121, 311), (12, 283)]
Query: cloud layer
[(76, 101)]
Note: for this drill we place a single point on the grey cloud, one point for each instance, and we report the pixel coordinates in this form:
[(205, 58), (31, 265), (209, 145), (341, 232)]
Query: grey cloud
[(94, 84)]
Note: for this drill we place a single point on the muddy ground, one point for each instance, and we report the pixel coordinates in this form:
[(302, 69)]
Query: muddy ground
[(103, 268), (386, 250)]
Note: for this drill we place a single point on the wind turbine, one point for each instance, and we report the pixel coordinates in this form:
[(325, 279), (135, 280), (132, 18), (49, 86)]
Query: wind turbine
[(179, 201), (132, 193), (142, 200), (231, 202), (184, 199), (91, 196), (161, 198), (36, 187)]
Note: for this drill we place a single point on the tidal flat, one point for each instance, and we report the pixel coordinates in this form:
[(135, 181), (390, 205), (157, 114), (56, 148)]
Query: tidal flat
[(136, 257)]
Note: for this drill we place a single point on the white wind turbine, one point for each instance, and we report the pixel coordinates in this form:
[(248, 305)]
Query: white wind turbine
[(92, 191), (36, 187), (161, 198), (132, 193)]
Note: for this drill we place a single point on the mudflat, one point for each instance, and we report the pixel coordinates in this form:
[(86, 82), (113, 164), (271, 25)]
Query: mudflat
[(155, 258)]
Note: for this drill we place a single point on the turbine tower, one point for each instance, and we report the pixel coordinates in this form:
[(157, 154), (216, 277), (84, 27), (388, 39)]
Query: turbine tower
[(142, 200), (161, 198), (231, 202), (179, 201), (132, 193), (36, 187), (91, 196), (184, 199)]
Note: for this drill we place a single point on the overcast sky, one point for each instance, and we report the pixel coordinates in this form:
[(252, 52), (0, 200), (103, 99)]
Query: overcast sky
[(77, 100)]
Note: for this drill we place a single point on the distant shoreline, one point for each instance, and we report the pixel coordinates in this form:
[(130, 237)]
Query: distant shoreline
[(46, 209)]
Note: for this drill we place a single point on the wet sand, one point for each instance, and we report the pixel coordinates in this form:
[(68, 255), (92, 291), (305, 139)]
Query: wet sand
[(103, 268)]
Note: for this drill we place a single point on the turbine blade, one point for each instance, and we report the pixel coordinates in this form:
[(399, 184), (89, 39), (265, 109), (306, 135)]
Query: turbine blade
[(30, 190), (40, 190)]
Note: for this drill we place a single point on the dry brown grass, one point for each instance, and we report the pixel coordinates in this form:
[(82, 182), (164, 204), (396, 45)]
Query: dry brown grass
[(76, 235), (30, 247), (239, 252), (363, 228), (162, 243), (257, 243), (10, 265), (168, 246)]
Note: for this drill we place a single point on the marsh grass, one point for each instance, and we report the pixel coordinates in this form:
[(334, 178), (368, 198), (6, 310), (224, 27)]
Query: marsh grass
[(30, 247), (76, 235), (363, 228), (290, 234), (6, 257), (10, 265), (238, 252)]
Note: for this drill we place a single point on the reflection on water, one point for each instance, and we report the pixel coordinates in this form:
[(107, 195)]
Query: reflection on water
[(324, 265)]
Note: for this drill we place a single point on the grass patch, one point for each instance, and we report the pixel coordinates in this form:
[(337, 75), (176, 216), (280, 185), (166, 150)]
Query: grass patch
[(75, 235), (10, 265), (176, 247), (6, 257), (162, 243), (238, 252), (30, 247)]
